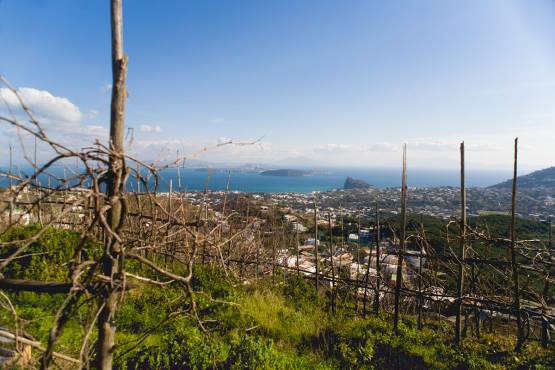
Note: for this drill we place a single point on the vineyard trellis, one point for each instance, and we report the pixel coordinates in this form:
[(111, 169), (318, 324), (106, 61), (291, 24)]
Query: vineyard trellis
[(112, 199), (162, 230), (161, 227)]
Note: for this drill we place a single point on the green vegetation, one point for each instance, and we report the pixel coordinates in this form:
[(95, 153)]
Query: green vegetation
[(272, 324), (498, 225)]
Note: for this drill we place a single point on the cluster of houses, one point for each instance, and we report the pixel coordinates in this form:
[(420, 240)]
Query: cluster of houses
[(354, 259), (20, 211), (295, 224), (352, 262)]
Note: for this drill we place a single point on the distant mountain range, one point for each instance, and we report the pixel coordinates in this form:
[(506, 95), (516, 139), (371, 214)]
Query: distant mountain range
[(542, 178)]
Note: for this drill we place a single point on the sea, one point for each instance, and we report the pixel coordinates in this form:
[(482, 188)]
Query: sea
[(321, 179)]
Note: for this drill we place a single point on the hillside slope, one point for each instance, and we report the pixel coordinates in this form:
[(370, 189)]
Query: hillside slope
[(541, 178)]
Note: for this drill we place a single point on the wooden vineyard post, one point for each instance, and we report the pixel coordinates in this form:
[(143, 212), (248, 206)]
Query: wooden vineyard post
[(332, 265), (420, 293), (473, 275), (514, 263), (545, 322), (273, 241), (378, 270), (10, 219), (399, 275), (366, 275), (462, 234), (257, 256), (316, 243), (115, 186), (297, 249)]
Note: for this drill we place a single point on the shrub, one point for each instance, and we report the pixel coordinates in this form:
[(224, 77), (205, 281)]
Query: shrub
[(45, 259)]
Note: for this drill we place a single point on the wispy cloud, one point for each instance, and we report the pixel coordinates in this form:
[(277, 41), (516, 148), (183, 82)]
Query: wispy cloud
[(335, 148), (150, 128), (431, 145), (384, 147), (236, 151)]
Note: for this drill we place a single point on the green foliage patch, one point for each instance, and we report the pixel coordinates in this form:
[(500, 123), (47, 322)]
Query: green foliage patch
[(273, 324)]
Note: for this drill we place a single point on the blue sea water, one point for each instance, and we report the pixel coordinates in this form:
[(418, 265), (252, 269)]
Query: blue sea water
[(323, 179)]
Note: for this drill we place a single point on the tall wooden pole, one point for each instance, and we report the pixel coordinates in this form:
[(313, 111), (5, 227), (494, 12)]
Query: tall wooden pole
[(178, 173), (358, 264), (65, 191), (399, 276), (274, 240), (420, 295), (111, 264), (11, 184), (257, 256), (332, 265), (545, 322), (316, 243), (473, 275), (170, 208), (367, 274), (342, 228), (514, 263), (297, 249), (378, 270), (138, 179), (462, 252), (167, 247), (37, 187)]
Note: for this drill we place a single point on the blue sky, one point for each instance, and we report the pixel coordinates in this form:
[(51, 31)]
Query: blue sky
[(336, 82)]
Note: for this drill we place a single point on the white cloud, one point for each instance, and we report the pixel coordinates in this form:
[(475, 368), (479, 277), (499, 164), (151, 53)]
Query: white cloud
[(385, 147), (59, 117), (92, 114), (335, 148), (431, 144), (43, 104), (482, 147), (237, 151), (83, 131), (150, 128)]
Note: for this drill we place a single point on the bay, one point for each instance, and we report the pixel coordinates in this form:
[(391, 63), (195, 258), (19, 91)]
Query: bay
[(323, 179)]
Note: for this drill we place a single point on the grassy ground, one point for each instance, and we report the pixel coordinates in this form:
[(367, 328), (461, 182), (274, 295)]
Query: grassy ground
[(274, 324)]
